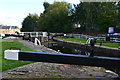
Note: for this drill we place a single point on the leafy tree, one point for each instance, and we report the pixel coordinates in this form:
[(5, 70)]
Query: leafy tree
[(56, 18), (30, 23), (107, 16), (61, 17), (118, 17), (85, 14), (46, 6), (94, 16), (118, 14)]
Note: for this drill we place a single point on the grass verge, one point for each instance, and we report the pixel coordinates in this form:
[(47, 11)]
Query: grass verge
[(81, 40), (9, 64)]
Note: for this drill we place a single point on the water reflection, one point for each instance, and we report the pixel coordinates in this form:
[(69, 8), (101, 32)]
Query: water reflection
[(69, 50)]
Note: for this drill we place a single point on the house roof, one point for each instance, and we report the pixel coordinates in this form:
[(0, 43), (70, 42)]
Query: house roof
[(8, 27)]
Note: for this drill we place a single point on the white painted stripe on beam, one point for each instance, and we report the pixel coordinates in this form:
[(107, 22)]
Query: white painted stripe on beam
[(11, 54), (2, 34)]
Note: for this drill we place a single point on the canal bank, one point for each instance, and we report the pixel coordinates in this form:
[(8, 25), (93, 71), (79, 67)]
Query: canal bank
[(51, 70), (97, 49)]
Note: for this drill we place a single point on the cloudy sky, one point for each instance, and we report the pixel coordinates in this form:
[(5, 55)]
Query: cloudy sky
[(12, 12)]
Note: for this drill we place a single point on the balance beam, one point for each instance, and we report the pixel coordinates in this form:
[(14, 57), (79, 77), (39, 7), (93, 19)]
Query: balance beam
[(99, 61)]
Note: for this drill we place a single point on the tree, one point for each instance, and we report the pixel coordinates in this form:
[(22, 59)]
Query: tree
[(107, 16), (30, 23), (118, 14), (85, 13), (95, 16), (46, 6), (118, 17), (56, 18), (61, 17)]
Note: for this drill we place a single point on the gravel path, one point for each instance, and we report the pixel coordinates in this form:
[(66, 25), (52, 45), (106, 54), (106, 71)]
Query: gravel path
[(36, 47), (53, 70)]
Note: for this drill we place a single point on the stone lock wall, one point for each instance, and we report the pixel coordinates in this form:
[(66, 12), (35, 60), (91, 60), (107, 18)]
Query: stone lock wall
[(83, 46)]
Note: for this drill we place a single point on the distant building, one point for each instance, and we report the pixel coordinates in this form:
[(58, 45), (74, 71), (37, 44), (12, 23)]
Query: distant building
[(1, 24), (9, 29)]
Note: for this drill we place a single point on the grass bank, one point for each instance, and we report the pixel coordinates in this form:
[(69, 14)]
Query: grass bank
[(9, 64), (81, 40)]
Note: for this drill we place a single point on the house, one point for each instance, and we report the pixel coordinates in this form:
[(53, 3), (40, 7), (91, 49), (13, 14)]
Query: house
[(9, 29)]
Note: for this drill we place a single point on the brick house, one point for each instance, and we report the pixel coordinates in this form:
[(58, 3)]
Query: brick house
[(9, 29)]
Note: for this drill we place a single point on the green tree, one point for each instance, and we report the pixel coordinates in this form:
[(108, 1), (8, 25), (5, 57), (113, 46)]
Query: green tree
[(46, 6), (56, 18), (85, 13), (30, 23), (107, 16), (118, 17), (95, 16), (118, 14)]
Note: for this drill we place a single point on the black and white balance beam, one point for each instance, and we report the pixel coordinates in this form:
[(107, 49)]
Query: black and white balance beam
[(62, 58)]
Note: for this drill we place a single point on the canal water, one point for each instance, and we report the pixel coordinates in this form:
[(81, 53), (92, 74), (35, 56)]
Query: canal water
[(70, 50)]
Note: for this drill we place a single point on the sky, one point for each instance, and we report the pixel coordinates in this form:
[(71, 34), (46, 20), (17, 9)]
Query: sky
[(13, 12)]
